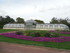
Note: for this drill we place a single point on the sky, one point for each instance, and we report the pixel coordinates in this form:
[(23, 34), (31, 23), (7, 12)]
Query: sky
[(35, 9)]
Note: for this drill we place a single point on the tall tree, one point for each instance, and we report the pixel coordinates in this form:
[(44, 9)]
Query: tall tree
[(1, 22), (39, 21), (60, 21), (54, 21), (65, 21), (20, 20), (8, 19)]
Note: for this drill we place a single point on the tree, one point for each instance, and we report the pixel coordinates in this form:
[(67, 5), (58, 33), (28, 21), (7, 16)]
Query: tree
[(39, 21), (6, 20), (20, 20), (12, 20), (65, 21), (9, 20), (1, 22), (54, 21), (60, 21)]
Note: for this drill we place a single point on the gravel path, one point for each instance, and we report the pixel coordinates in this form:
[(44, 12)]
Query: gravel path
[(20, 48)]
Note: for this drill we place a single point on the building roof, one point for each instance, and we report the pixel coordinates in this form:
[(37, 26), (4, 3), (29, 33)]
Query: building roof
[(31, 21)]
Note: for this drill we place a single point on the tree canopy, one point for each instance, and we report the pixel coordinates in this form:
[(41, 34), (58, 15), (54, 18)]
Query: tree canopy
[(54, 21), (20, 20), (39, 21), (60, 21), (5, 20)]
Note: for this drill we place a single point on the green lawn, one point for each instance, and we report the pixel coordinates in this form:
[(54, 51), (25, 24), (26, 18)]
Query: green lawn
[(6, 30), (64, 45)]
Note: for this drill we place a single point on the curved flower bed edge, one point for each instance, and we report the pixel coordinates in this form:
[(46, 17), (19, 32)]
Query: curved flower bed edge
[(44, 39)]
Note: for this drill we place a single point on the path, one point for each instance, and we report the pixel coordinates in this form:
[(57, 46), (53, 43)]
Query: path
[(20, 48)]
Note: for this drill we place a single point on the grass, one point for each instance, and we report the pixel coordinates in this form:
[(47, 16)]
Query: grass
[(6, 30), (63, 45)]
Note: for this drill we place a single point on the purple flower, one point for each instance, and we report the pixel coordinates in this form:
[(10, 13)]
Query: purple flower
[(65, 32), (45, 39)]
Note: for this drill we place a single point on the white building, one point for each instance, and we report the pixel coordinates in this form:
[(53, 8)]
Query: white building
[(13, 26), (52, 27), (31, 24)]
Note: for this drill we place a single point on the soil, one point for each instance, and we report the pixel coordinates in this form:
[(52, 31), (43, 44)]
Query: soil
[(20, 48)]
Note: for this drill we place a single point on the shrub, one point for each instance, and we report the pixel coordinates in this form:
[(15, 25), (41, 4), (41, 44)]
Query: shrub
[(19, 33), (35, 34), (27, 33), (47, 34), (55, 35)]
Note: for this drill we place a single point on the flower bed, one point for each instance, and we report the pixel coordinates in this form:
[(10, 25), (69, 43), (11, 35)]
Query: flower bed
[(46, 39), (64, 32), (60, 32)]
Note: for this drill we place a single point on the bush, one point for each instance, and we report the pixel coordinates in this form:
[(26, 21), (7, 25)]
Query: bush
[(54, 35), (1, 26), (35, 34), (19, 33), (27, 33), (47, 34)]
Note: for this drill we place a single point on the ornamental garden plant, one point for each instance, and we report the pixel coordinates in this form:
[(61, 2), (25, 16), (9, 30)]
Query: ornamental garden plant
[(40, 36), (61, 31)]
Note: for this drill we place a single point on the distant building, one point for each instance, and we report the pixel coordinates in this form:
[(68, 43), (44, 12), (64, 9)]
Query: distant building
[(13, 26), (52, 27), (31, 24)]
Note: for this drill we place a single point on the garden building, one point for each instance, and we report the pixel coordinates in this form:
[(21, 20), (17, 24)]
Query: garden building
[(31, 24), (13, 26), (52, 27)]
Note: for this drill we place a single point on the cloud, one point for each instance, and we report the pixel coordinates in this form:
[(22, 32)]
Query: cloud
[(35, 9), (2, 13)]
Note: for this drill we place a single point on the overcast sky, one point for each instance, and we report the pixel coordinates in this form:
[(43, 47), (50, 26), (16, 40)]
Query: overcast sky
[(35, 9)]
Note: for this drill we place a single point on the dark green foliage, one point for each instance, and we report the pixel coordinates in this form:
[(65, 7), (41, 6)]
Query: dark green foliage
[(60, 21), (19, 33), (35, 34), (54, 35), (6, 20), (47, 34), (54, 21), (20, 20), (39, 21), (27, 32), (1, 26)]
